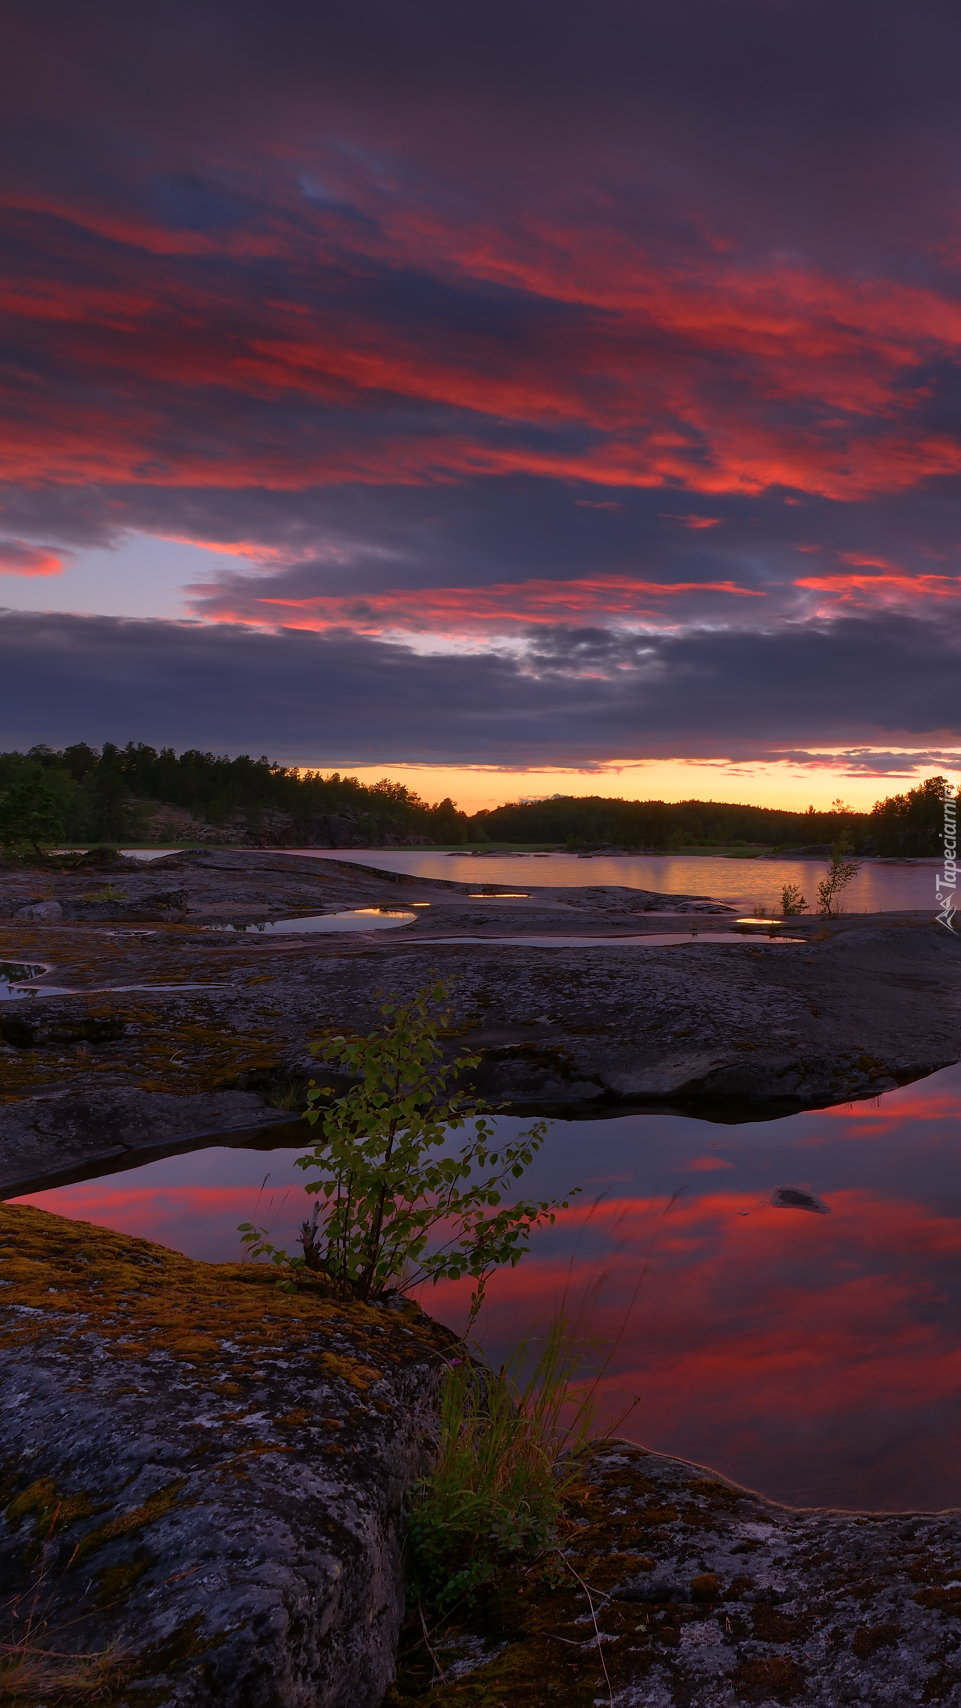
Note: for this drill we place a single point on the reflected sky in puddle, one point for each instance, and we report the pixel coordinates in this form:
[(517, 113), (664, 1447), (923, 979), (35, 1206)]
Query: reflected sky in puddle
[(12, 976), (815, 1356), (356, 919), (645, 940)]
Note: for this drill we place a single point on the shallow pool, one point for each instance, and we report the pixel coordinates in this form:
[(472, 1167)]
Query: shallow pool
[(644, 940), (355, 919), (815, 1355), (13, 975)]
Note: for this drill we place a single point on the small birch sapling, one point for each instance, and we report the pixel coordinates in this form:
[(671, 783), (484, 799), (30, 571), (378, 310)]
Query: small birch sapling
[(399, 1203)]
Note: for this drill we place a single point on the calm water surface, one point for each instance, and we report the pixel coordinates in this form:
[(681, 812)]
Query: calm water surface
[(746, 884), (814, 1357)]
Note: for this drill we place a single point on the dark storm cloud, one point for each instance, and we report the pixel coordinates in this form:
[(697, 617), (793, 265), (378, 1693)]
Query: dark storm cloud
[(339, 699), (845, 98)]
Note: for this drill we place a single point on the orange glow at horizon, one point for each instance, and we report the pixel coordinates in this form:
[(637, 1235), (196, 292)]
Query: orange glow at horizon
[(771, 783)]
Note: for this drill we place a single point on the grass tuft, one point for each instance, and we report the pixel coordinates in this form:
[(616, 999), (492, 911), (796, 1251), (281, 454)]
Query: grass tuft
[(30, 1675), (508, 1463)]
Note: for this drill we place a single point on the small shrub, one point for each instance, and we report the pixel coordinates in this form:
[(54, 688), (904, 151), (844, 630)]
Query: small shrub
[(792, 901), (29, 813), (397, 1206), (839, 874)]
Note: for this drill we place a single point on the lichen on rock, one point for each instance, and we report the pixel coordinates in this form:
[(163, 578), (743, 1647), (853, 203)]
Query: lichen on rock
[(700, 1594), (202, 1474)]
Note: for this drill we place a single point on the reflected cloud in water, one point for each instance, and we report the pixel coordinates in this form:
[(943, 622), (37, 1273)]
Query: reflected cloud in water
[(816, 1357)]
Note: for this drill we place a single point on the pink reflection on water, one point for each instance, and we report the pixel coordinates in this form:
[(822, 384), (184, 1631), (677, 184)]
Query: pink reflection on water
[(800, 1354), (816, 1357)]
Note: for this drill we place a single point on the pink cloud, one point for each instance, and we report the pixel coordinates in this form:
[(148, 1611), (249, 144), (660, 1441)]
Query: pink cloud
[(19, 558), (695, 522), (883, 590), (460, 609)]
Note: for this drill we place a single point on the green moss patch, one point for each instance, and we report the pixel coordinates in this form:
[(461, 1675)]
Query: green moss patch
[(140, 1297)]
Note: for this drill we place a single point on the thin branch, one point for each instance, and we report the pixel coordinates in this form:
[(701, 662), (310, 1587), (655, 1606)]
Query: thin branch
[(600, 1645), (438, 1669)]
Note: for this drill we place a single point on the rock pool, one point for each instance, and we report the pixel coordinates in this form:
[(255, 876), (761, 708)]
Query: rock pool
[(783, 1298)]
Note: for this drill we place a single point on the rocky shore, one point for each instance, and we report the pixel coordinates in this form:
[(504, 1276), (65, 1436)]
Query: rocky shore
[(680, 1590), (201, 1484), (176, 1029)]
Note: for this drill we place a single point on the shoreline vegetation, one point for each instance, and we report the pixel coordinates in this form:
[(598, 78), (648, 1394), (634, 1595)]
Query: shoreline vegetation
[(137, 794)]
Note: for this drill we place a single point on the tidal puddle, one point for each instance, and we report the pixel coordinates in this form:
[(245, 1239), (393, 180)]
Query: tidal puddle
[(16, 992), (12, 976), (645, 940), (355, 919), (782, 1297)]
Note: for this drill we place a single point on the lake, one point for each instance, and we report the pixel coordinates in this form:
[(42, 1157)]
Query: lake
[(747, 884), (813, 1356)]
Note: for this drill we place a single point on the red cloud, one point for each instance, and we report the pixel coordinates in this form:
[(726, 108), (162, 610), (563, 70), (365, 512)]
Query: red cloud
[(896, 589), (617, 369), (695, 522), (18, 558), (859, 562), (459, 609)]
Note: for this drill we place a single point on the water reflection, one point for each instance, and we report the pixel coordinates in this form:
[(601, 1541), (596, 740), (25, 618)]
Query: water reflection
[(12, 976), (355, 919), (746, 883), (742, 881), (647, 940), (816, 1357)]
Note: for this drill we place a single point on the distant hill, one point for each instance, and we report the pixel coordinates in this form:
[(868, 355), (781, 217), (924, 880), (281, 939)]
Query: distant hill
[(908, 824)]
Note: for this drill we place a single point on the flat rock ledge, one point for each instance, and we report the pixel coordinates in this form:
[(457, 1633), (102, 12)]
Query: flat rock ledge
[(701, 1594), (201, 1477)]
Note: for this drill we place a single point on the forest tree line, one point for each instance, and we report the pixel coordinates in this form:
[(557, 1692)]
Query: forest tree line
[(110, 794)]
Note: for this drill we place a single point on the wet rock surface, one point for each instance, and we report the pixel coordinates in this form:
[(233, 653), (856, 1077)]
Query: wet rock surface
[(201, 1477), (163, 1016), (700, 1594)]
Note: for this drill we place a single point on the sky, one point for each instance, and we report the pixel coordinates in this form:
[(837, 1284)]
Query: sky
[(514, 399)]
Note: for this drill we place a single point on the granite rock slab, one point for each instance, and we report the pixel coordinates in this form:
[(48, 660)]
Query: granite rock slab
[(201, 1475), (700, 1594)]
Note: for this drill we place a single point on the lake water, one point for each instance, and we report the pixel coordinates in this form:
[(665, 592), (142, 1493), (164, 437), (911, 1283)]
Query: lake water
[(746, 884), (816, 1357)]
